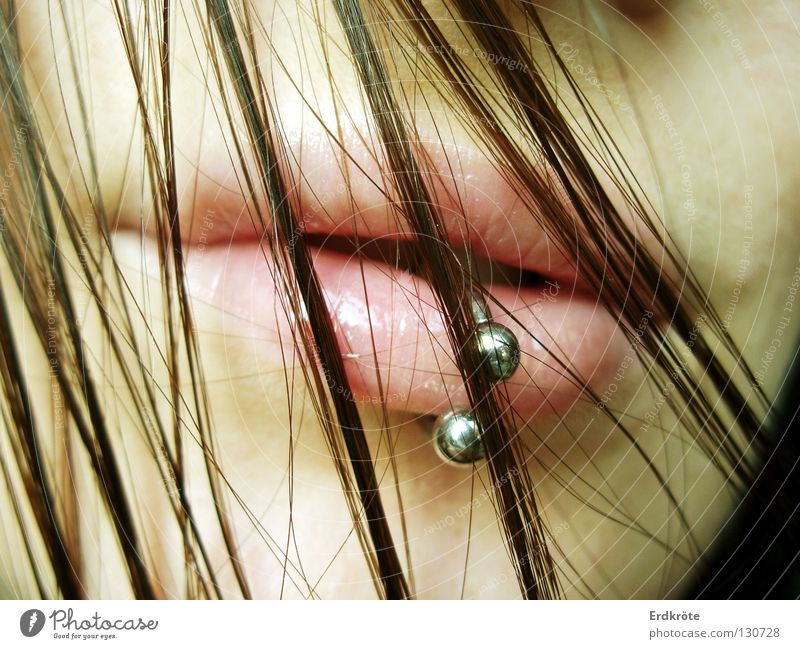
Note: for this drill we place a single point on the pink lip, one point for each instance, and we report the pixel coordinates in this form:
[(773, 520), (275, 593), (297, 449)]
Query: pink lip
[(411, 358)]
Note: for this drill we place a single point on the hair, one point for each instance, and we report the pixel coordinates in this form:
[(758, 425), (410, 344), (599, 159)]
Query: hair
[(524, 114)]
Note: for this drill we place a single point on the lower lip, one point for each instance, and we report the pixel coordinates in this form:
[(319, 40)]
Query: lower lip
[(392, 337)]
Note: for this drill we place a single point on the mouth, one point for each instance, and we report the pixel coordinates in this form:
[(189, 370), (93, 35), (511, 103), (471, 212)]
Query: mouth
[(391, 335)]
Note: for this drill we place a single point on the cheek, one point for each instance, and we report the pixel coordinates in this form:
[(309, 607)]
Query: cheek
[(91, 39)]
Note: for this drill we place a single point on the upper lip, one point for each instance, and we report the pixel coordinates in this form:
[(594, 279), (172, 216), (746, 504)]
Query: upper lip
[(479, 208)]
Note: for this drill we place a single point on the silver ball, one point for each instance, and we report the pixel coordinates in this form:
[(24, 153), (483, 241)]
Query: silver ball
[(500, 347), (457, 438)]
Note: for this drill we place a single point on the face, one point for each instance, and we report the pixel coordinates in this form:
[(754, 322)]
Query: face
[(699, 99)]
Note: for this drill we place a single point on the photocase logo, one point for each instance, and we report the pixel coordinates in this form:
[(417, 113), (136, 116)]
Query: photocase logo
[(31, 622)]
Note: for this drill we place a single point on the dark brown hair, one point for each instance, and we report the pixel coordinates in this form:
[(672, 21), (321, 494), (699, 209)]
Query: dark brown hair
[(48, 253)]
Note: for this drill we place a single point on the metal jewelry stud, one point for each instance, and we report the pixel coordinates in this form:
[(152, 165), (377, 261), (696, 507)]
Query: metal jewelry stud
[(457, 438), (497, 343), (500, 347)]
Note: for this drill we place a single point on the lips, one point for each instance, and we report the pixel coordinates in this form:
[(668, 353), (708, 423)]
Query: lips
[(392, 337)]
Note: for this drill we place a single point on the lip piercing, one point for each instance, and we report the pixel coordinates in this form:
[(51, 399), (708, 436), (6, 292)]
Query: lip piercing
[(456, 434), (497, 343), (480, 310), (457, 438), (499, 346)]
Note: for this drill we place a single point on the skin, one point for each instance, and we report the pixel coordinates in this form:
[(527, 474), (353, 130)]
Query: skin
[(727, 81)]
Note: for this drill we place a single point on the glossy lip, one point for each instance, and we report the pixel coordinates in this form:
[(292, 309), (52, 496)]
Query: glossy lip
[(393, 341), (411, 358)]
